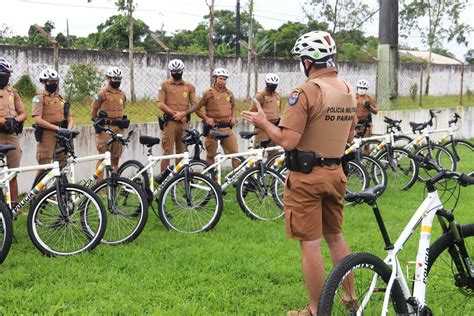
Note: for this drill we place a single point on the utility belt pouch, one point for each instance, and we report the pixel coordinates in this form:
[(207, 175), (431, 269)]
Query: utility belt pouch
[(161, 123), (300, 161), (38, 132), (206, 128), (19, 128), (345, 162), (124, 123)]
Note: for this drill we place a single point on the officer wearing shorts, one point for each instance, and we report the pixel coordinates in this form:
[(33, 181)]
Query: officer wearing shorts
[(366, 106), (177, 100), (12, 116), (220, 112), (48, 113), (269, 100), (112, 100), (316, 125)]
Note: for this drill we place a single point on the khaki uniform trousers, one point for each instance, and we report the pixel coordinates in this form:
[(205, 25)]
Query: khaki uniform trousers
[(314, 202), (45, 149), (171, 137), (229, 144), (13, 156), (116, 148)]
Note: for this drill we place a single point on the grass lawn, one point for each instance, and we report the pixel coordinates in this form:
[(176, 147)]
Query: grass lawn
[(146, 110), (240, 267)]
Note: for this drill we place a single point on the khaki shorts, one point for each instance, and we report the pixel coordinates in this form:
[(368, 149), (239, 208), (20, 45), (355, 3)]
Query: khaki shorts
[(171, 137), (314, 202), (45, 149), (229, 144), (116, 148), (13, 156)]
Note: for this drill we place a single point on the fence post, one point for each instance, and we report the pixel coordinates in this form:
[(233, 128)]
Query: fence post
[(421, 87)]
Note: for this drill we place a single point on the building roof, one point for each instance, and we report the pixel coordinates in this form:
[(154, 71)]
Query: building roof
[(435, 58)]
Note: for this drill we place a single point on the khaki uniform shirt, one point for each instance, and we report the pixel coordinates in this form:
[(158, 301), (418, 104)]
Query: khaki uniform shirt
[(110, 100), (270, 102), (322, 110), (10, 102), (362, 111), (49, 106), (177, 95), (219, 104)]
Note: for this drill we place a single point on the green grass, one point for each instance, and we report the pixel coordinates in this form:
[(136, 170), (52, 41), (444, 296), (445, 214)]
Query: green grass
[(146, 110), (240, 267)]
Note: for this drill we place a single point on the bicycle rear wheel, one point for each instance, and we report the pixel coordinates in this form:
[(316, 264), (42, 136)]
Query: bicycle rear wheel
[(440, 154), (129, 170), (464, 153), (6, 231), (402, 171), (80, 229), (127, 209), (260, 195), (353, 275), (190, 203), (357, 177), (450, 290)]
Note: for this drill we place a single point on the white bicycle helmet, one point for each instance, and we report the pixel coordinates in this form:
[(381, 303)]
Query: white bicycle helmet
[(272, 78), (315, 45), (114, 72), (220, 72), (48, 74), (362, 83), (176, 65), (5, 66)]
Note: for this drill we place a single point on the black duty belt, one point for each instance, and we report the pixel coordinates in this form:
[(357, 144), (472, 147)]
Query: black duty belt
[(3, 130), (223, 125), (113, 122), (301, 161), (318, 162)]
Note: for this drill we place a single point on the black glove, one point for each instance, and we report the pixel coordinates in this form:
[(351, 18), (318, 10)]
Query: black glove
[(11, 124), (367, 104), (125, 122)]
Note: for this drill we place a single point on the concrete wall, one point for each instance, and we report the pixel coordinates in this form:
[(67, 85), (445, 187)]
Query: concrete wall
[(150, 70), (85, 143)]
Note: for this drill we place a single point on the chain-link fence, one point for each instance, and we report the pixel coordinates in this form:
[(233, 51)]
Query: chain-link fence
[(85, 69)]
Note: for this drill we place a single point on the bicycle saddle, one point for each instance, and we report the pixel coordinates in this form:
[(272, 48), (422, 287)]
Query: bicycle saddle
[(391, 121), (365, 196), (149, 141), (68, 133), (417, 126), (264, 143), (218, 135), (6, 148), (247, 135)]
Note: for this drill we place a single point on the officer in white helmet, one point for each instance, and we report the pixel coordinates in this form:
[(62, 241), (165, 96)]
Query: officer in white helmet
[(317, 123), (111, 99), (177, 100), (366, 106), (269, 100), (50, 112)]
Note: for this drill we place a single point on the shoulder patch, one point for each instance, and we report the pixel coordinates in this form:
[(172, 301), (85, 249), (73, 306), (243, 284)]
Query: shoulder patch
[(96, 97), (294, 95), (36, 100)]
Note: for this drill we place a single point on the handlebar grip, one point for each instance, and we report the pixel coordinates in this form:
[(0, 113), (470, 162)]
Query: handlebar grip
[(466, 180)]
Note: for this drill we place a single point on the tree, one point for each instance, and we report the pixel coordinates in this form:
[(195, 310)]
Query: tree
[(5, 32), (339, 14), (210, 43), (442, 21), (470, 57), (113, 34)]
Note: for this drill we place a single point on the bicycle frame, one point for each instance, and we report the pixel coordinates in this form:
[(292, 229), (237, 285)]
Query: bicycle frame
[(424, 215), (72, 161), (7, 174)]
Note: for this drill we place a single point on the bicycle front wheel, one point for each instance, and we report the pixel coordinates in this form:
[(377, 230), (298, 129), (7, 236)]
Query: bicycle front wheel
[(463, 152), (6, 231), (357, 177), (78, 228), (402, 171), (348, 290), (260, 193), (127, 209), (130, 169), (450, 289), (190, 203), (440, 154)]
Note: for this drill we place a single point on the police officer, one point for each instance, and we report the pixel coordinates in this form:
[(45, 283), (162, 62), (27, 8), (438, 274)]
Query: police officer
[(318, 122), (220, 113), (366, 106), (269, 100), (49, 116), (112, 100), (177, 100), (12, 116)]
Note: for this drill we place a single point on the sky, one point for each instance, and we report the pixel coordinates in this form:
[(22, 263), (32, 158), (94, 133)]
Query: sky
[(173, 15)]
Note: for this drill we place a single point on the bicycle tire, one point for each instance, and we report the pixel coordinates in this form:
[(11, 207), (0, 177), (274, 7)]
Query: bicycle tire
[(249, 184), (176, 216), (375, 170), (41, 220), (331, 301), (443, 280), (125, 222), (198, 166), (464, 154), (396, 169), (37, 179), (129, 169), (6, 231), (448, 161), (357, 177)]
